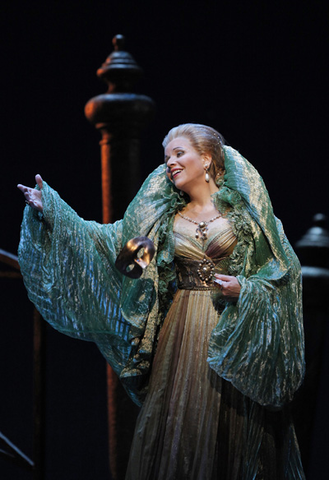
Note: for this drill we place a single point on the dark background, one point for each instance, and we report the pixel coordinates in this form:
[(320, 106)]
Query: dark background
[(257, 71)]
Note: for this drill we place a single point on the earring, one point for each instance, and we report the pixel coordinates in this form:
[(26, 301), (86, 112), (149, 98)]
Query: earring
[(181, 193), (207, 174)]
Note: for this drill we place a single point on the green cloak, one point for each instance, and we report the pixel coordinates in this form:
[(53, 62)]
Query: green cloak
[(68, 269)]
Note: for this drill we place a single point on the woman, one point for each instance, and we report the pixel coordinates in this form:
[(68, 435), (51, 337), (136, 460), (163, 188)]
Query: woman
[(210, 338)]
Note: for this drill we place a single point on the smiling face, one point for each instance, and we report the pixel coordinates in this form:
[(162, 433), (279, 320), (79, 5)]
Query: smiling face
[(185, 166)]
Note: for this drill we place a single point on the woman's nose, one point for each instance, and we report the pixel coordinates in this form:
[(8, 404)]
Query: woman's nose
[(170, 162)]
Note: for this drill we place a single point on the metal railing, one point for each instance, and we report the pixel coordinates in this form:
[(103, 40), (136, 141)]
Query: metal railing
[(10, 270)]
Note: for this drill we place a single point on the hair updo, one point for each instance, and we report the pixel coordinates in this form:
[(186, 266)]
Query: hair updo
[(205, 140)]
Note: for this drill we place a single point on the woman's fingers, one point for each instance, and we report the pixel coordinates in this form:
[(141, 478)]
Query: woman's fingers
[(226, 278), (39, 180), (32, 195), (22, 188), (228, 285), (25, 189)]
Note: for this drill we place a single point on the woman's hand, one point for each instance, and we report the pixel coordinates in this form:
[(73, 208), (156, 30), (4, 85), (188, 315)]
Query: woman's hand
[(229, 286), (33, 196)]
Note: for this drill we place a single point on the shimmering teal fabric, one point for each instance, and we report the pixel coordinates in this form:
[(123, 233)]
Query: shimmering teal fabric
[(258, 344), (68, 269)]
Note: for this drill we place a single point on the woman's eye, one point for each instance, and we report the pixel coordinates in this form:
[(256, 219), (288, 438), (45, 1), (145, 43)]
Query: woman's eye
[(179, 154)]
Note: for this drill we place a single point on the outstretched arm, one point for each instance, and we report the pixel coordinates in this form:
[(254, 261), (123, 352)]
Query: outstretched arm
[(32, 195)]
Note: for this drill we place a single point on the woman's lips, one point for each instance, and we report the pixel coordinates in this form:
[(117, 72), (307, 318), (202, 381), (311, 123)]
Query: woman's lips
[(174, 173)]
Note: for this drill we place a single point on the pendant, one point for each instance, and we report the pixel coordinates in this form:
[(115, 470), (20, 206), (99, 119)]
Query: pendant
[(202, 230)]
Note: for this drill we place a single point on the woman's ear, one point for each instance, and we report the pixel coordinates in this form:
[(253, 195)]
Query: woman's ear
[(207, 161)]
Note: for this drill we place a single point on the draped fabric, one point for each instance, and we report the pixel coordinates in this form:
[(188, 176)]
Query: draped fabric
[(68, 269), (257, 343)]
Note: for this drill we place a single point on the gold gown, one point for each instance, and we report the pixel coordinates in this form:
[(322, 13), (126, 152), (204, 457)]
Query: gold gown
[(176, 435)]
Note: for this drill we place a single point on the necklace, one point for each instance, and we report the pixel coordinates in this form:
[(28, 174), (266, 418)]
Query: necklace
[(202, 227), (206, 266)]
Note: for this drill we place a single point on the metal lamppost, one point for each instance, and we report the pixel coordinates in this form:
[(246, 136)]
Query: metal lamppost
[(120, 116), (313, 252)]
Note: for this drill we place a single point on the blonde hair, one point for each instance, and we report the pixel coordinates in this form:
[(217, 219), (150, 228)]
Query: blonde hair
[(205, 140)]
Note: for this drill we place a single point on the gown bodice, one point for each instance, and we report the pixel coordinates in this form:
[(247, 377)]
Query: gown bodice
[(197, 260), (219, 244)]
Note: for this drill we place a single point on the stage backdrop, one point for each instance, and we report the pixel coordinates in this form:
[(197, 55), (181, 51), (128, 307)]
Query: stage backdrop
[(256, 71)]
